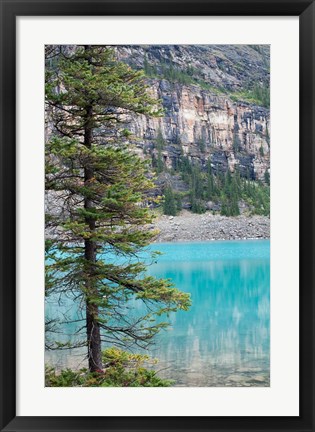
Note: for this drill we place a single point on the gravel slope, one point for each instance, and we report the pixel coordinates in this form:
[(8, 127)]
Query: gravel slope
[(189, 226)]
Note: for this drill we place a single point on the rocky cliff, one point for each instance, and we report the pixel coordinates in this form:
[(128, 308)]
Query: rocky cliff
[(216, 102)]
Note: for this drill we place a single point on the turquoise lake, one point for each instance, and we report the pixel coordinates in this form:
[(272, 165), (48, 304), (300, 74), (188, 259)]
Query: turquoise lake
[(224, 339)]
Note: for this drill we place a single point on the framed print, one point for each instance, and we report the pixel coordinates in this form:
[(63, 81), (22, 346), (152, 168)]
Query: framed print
[(157, 215)]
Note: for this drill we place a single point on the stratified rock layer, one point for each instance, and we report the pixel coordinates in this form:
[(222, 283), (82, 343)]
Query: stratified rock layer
[(208, 118)]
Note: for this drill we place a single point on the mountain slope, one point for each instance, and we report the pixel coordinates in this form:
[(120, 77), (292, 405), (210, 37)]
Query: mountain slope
[(217, 121)]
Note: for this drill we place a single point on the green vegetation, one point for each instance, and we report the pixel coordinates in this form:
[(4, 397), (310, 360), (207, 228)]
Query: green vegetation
[(201, 143), (101, 189), (160, 144), (236, 140), (197, 190), (169, 205), (168, 71), (258, 94), (226, 190), (262, 94), (235, 189), (174, 74), (121, 369)]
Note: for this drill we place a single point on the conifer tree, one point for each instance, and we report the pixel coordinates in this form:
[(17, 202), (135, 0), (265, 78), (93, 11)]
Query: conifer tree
[(169, 206), (160, 143), (196, 182), (98, 189)]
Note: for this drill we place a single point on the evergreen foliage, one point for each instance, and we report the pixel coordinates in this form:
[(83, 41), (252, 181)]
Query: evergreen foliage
[(100, 187), (236, 141), (197, 205), (230, 195), (211, 191), (262, 94), (160, 165), (257, 94), (160, 144), (203, 184), (172, 73), (170, 207), (121, 369), (227, 190), (201, 144), (168, 71), (179, 201)]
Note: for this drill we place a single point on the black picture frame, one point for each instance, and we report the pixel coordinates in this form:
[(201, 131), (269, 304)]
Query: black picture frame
[(10, 9)]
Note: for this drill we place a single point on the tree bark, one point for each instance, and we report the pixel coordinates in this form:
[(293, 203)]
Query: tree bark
[(92, 325)]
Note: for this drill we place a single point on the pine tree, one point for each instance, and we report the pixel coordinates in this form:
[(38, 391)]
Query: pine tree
[(98, 189), (236, 140), (196, 182), (225, 209), (234, 208), (211, 186), (201, 143), (159, 163), (169, 206), (160, 142), (230, 194)]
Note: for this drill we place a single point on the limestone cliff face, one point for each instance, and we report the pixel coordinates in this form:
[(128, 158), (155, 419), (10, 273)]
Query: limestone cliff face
[(209, 102)]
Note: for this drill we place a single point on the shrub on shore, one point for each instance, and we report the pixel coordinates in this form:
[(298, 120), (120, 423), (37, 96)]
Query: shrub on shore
[(122, 369)]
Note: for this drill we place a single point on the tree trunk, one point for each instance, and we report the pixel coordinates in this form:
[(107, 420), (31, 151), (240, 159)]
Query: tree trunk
[(92, 326)]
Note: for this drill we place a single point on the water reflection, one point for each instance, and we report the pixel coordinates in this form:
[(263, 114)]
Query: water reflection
[(224, 338)]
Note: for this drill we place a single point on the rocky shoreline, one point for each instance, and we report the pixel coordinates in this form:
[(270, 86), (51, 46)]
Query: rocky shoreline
[(195, 227)]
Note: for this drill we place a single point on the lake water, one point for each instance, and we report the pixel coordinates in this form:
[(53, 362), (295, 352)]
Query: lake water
[(223, 340)]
